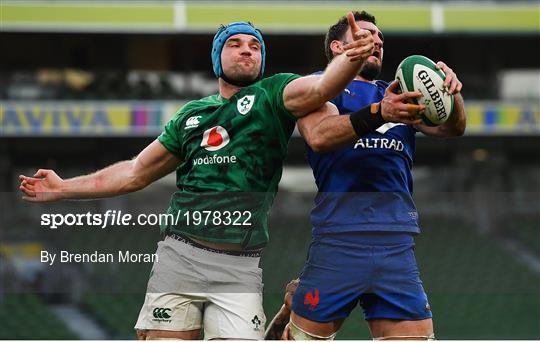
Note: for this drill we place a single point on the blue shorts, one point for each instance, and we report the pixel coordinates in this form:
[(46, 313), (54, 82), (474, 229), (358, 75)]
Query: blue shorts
[(376, 270)]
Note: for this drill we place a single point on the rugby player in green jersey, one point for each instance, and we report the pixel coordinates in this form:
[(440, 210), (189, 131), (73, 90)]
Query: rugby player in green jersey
[(227, 150)]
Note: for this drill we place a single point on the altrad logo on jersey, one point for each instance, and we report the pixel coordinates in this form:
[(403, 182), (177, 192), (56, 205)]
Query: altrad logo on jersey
[(384, 143), (389, 144)]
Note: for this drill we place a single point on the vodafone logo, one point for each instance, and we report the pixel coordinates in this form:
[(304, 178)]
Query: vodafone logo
[(215, 138)]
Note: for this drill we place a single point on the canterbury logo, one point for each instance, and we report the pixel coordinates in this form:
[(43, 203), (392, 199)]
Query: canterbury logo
[(193, 121), (312, 299), (161, 313)]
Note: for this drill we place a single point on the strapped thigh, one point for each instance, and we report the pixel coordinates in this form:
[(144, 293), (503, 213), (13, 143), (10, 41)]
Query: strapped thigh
[(299, 334), (418, 338)]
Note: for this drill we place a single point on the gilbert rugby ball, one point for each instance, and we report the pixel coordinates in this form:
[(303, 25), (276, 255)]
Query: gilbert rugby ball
[(419, 73)]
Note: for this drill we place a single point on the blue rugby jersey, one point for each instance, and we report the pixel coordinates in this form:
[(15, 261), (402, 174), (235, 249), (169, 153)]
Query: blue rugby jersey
[(366, 186)]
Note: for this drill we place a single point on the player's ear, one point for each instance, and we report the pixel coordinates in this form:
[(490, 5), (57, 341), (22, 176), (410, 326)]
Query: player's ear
[(337, 47)]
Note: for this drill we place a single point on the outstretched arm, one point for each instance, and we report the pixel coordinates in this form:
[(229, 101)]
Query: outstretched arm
[(154, 162), (325, 130), (308, 93)]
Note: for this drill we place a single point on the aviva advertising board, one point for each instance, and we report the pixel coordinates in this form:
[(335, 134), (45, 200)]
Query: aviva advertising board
[(103, 118), (85, 118)]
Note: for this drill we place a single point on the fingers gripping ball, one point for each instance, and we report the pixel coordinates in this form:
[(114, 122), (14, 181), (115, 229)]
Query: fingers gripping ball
[(419, 73)]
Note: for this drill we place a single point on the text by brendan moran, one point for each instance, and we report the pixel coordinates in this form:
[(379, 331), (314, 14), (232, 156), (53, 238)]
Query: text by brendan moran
[(96, 257)]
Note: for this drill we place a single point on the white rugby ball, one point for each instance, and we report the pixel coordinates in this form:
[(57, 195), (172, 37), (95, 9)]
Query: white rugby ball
[(419, 73)]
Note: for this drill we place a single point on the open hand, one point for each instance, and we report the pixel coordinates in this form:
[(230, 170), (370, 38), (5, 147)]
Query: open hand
[(44, 186)]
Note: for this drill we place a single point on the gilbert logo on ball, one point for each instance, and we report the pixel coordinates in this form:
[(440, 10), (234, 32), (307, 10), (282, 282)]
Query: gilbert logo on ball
[(419, 73), (215, 138)]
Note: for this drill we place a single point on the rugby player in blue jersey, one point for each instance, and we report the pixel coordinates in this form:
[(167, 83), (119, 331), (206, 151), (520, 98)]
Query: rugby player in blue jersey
[(364, 220)]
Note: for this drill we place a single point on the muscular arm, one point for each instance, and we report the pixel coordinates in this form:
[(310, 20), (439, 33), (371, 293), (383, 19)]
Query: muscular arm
[(453, 127), (154, 162), (324, 129), (308, 93)]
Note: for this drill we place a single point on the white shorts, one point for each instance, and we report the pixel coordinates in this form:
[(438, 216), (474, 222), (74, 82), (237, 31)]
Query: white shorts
[(192, 288)]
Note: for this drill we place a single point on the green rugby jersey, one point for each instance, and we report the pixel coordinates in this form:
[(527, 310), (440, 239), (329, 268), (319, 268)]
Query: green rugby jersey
[(232, 153)]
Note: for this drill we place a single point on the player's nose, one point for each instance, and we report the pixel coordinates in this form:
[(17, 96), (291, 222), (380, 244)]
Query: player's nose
[(245, 50), (377, 40)]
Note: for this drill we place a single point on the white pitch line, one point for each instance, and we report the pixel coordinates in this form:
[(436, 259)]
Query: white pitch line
[(530, 259)]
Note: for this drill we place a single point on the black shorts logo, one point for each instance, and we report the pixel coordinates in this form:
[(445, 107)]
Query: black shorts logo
[(161, 314), (256, 323)]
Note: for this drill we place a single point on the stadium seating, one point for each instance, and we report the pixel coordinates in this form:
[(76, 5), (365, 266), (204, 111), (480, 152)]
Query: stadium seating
[(527, 232), (118, 290), (25, 317), (471, 279), (116, 312), (70, 84)]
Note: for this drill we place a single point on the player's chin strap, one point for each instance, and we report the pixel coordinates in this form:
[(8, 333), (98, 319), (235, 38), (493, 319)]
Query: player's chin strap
[(417, 338), (298, 334)]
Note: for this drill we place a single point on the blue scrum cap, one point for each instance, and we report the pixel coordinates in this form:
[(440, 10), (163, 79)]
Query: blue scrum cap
[(224, 33)]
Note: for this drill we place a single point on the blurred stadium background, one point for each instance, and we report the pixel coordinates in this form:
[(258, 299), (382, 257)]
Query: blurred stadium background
[(86, 83)]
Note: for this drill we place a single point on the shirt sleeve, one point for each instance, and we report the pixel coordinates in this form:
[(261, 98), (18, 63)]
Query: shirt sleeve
[(277, 86), (171, 137)]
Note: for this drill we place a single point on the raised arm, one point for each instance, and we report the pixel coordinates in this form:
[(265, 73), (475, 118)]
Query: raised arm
[(154, 162), (308, 93)]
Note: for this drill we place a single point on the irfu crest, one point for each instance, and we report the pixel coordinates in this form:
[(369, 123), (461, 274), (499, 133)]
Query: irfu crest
[(245, 103)]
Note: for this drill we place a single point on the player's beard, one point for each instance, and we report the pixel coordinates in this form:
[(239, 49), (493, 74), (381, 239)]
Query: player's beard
[(240, 79), (370, 71)]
